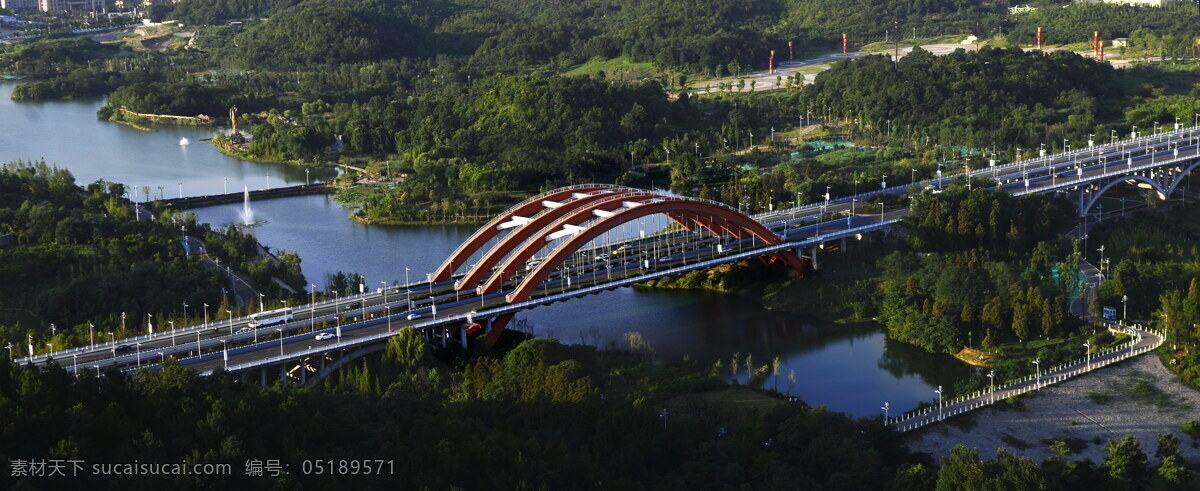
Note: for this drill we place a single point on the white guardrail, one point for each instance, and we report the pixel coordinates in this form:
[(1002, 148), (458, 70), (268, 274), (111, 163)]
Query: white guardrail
[(982, 398)]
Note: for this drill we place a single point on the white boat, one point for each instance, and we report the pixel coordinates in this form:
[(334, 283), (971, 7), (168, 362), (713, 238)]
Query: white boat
[(184, 142)]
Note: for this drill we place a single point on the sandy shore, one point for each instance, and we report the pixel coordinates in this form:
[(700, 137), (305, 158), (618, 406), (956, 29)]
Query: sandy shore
[(1138, 397)]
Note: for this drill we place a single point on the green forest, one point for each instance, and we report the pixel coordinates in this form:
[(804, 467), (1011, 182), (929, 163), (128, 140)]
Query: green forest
[(465, 106), (541, 415), (82, 257)]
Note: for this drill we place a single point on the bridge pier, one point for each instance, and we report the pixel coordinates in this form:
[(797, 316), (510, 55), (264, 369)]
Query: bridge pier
[(283, 376), (463, 331), (815, 265), (263, 377), (843, 247), (303, 372)]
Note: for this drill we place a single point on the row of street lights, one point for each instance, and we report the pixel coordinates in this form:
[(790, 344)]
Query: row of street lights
[(992, 383)]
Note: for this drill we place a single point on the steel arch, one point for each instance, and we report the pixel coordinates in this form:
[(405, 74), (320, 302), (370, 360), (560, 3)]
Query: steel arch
[(488, 232), (524, 251), (1095, 197), (483, 268), (1181, 176), (529, 284)]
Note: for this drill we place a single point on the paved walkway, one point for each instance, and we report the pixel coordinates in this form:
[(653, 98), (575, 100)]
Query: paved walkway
[(1144, 340), (1139, 397)]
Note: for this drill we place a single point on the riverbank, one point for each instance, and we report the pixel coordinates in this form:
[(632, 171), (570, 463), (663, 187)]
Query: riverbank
[(839, 293), (223, 145), (1138, 397), (134, 125), (412, 223)]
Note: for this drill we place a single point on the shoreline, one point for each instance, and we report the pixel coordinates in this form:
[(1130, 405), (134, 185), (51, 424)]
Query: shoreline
[(223, 148)]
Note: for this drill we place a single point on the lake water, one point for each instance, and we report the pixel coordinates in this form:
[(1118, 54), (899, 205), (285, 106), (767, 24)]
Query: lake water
[(853, 369), (68, 134)]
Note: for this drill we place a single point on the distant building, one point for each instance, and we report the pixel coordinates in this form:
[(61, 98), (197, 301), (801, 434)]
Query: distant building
[(18, 4), (1021, 9), (59, 5), (1120, 42), (1139, 3)]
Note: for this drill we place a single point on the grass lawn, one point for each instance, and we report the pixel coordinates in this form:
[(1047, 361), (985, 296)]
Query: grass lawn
[(616, 68), (945, 39)]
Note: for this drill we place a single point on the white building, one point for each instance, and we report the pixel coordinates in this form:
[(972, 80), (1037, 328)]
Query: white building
[(57, 5), (18, 4), (1139, 3)]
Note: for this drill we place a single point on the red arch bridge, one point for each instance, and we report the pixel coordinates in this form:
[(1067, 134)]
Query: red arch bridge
[(585, 239)]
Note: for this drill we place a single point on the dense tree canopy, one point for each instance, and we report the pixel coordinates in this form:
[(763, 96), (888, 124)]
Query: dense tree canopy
[(974, 98)]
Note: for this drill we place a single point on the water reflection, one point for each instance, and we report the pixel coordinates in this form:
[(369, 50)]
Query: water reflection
[(850, 368), (67, 133)]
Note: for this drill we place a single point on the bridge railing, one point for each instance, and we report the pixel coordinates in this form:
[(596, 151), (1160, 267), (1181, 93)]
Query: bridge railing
[(1160, 137), (1122, 169), (1163, 136), (548, 299)]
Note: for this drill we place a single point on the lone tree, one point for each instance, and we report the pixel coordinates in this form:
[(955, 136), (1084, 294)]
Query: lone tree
[(1126, 462)]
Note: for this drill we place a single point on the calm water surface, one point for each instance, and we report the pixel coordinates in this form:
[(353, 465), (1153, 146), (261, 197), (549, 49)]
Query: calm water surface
[(850, 369), (67, 134), (847, 368)]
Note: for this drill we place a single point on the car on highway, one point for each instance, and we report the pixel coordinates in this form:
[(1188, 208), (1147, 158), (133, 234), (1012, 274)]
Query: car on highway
[(123, 348), (244, 329), (323, 336), (355, 305), (413, 317), (665, 259)]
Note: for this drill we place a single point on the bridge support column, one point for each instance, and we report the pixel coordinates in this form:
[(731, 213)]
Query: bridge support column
[(815, 265), (843, 247), (283, 372), (263, 377), (496, 327), (463, 331), (303, 372), (444, 336)]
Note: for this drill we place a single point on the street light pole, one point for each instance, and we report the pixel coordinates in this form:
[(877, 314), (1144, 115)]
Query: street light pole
[(407, 289), (885, 413), (1088, 346), (939, 393), (206, 314), (1124, 308), (991, 386), (1037, 363), (280, 340)]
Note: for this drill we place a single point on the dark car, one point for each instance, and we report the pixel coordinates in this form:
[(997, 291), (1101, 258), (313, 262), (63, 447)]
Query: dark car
[(355, 305), (124, 348)]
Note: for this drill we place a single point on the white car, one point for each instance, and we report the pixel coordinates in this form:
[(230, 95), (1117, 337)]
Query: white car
[(413, 317), (325, 335)]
